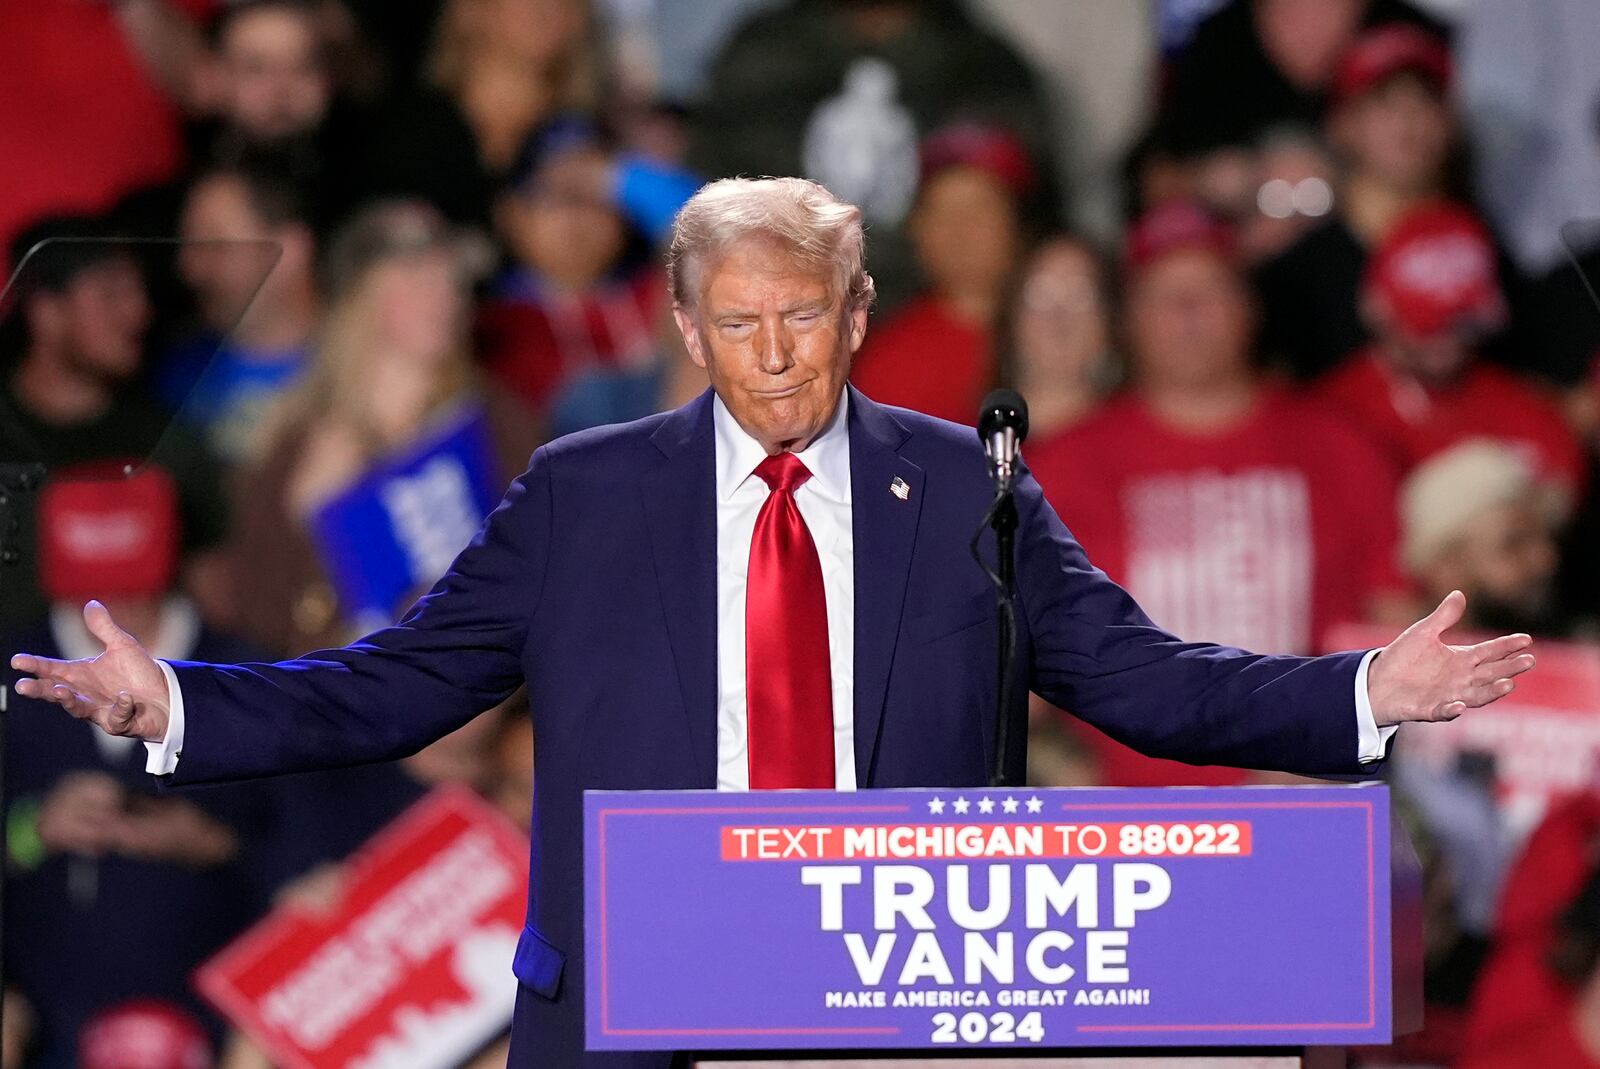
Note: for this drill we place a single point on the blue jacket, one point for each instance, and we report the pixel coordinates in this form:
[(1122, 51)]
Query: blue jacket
[(595, 580)]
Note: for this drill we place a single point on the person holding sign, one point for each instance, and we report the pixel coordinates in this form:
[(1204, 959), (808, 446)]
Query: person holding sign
[(769, 587)]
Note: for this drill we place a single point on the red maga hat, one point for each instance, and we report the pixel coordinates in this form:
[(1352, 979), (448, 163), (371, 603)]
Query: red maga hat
[(105, 534), (1174, 226), (992, 149), (144, 1034), (1379, 54), (1435, 272)]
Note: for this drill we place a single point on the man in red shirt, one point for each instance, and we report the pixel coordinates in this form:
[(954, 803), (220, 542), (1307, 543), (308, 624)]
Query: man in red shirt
[(1233, 509), (1431, 290), (936, 353)]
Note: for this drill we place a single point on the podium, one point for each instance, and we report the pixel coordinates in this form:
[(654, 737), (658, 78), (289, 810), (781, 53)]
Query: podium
[(1251, 926)]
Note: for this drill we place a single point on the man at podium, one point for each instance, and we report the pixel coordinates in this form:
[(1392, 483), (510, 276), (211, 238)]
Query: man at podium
[(767, 588)]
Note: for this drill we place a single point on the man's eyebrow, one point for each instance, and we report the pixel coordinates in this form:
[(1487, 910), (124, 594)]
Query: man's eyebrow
[(815, 304)]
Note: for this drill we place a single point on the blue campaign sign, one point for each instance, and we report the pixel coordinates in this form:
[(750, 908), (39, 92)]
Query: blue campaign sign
[(404, 521), (988, 918)]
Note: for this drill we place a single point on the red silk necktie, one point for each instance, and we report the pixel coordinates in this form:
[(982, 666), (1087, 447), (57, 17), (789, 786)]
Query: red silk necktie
[(788, 685)]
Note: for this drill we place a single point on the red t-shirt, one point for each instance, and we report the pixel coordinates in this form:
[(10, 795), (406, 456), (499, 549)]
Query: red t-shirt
[(924, 358), (1412, 422), (84, 122), (1260, 536)]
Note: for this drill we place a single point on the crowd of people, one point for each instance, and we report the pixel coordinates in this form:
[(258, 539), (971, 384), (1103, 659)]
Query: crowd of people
[(321, 275)]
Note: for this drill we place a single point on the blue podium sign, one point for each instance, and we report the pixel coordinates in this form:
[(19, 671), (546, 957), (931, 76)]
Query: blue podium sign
[(943, 919)]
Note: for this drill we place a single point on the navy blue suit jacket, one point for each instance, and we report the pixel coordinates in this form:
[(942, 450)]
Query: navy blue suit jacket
[(595, 581)]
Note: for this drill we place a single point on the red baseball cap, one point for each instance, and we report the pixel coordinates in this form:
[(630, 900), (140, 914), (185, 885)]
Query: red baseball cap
[(1173, 226), (102, 533), (1381, 53), (992, 149), (1435, 272), (144, 1034)]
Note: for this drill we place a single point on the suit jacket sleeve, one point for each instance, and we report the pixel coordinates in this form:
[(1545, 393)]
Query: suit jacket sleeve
[(1097, 655), (456, 653)]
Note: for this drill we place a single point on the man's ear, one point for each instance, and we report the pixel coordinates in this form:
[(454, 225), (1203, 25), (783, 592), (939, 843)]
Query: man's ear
[(691, 335), (858, 325)]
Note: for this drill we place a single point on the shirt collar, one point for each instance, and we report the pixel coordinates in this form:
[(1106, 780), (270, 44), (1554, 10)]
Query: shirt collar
[(827, 457)]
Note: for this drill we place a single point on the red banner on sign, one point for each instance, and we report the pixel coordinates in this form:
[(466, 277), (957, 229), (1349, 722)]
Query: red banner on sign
[(411, 970), (1544, 737)]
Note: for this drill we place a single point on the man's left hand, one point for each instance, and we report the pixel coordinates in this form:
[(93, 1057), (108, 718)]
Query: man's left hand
[(1419, 676)]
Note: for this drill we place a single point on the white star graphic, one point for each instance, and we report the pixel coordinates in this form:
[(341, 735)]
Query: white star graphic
[(961, 805), (986, 804), (936, 805), (1009, 805), (1034, 805)]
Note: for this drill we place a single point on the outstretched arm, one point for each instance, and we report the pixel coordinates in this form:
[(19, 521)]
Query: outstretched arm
[(456, 653)]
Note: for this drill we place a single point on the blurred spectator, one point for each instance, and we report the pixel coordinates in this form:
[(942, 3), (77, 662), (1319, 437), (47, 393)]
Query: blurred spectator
[(254, 336), (572, 325), (144, 1034), (843, 91), (509, 66), (392, 367), (1475, 518), (1538, 1000), (1060, 351), (89, 831), (1529, 87), (1232, 509), (1430, 292), (936, 354), (85, 119), (67, 394), (1391, 124), (1258, 63)]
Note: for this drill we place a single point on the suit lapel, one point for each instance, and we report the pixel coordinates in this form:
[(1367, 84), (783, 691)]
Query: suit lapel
[(680, 502), (884, 528)]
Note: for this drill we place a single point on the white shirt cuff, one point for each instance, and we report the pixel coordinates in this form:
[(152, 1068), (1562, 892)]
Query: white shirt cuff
[(161, 758), (1372, 742)]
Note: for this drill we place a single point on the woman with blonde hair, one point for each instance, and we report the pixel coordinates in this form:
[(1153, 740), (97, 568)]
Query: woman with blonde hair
[(392, 370)]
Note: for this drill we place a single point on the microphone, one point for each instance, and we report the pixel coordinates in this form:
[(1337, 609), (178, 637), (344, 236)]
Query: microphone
[(1002, 425)]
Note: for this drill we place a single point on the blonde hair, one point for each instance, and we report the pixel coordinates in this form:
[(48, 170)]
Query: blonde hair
[(338, 383), (820, 230)]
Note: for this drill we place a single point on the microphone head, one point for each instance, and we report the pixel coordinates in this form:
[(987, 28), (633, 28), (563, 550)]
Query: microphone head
[(1000, 410)]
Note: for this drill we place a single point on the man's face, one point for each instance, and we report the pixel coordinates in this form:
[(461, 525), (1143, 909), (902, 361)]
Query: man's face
[(223, 276), (776, 341), (965, 231), (275, 85), (1436, 361), (559, 228), (1189, 320), (99, 320), (1398, 134)]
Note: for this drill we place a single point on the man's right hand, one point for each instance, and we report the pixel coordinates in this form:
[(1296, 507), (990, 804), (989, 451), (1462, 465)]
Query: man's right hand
[(123, 691)]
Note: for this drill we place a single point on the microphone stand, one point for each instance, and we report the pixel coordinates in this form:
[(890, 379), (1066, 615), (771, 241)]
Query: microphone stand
[(16, 480), (1010, 725)]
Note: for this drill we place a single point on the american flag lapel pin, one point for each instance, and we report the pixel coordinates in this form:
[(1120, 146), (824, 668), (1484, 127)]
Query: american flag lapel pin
[(900, 488)]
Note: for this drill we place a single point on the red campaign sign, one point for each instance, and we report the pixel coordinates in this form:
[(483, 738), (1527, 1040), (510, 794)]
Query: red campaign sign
[(411, 970), (1544, 736)]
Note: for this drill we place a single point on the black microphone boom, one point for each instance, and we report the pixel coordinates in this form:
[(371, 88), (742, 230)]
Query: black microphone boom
[(1002, 425)]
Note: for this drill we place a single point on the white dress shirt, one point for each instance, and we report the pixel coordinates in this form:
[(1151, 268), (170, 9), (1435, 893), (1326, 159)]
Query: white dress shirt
[(824, 503)]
